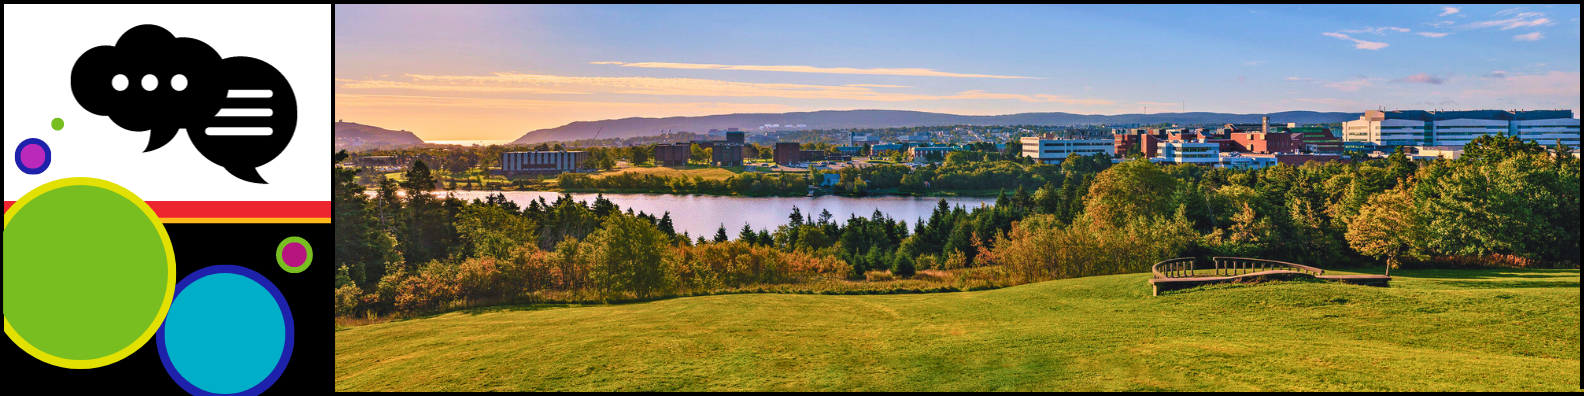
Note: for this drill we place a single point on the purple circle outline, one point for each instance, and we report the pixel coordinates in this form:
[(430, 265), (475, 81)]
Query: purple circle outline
[(40, 168), (291, 330)]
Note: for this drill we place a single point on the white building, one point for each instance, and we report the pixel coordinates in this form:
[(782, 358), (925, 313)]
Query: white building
[(1239, 161), (1458, 128), (1050, 150), (1450, 153), (1189, 152)]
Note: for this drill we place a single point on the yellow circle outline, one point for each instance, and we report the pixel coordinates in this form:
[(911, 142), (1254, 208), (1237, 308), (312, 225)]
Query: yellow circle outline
[(170, 276)]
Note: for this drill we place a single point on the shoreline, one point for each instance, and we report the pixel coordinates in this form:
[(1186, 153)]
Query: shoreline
[(942, 194)]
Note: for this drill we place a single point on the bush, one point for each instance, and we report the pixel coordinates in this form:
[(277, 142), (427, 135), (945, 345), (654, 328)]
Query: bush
[(877, 276), (903, 266), (347, 300)]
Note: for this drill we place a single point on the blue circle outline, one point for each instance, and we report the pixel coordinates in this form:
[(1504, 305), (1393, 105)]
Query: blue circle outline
[(285, 313), (25, 168)]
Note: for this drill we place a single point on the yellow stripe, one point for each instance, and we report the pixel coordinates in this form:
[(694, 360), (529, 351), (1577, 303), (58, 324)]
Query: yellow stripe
[(302, 220)]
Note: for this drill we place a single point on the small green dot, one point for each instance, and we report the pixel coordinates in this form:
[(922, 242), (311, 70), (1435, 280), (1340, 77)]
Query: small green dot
[(57, 124)]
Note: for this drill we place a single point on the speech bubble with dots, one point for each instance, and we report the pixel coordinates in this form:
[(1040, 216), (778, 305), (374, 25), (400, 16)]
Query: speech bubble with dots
[(240, 112)]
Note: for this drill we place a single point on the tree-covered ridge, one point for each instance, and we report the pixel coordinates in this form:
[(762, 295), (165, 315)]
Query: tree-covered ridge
[(1504, 203)]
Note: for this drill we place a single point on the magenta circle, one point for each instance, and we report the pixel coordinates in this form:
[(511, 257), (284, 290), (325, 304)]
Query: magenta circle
[(32, 156), (294, 254)]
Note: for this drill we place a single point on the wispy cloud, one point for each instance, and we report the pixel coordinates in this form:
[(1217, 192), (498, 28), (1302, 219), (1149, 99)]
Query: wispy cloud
[(1555, 83), (540, 83), (1350, 85), (1432, 34), (1439, 23), (1536, 36), (1160, 104), (1522, 19), (1448, 10), (1328, 101), (1495, 74), (808, 69), (1379, 30), (1360, 44), (1422, 78), (1254, 63), (1299, 79)]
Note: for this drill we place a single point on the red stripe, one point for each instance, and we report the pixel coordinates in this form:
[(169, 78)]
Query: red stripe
[(236, 209)]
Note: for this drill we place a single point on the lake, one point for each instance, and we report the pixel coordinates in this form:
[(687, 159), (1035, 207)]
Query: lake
[(703, 214)]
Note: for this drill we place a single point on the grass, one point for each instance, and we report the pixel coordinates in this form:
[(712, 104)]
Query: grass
[(690, 171), (1433, 330)]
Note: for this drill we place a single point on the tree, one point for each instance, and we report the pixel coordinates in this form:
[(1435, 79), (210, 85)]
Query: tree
[(747, 235), (542, 147), (666, 226), (640, 154), (629, 255), (902, 266), (1133, 188), (796, 218), (720, 234), (1387, 227)]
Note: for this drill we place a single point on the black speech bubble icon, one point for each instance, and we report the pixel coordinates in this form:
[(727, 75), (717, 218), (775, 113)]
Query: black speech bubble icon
[(240, 112)]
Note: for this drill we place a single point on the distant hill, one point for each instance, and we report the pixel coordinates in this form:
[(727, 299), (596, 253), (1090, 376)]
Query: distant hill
[(832, 119), (354, 136)]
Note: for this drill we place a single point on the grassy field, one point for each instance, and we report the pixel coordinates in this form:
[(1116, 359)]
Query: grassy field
[(707, 172), (1433, 330)]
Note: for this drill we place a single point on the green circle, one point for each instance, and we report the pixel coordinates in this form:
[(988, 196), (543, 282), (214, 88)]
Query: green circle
[(88, 273), (58, 124), (308, 259)]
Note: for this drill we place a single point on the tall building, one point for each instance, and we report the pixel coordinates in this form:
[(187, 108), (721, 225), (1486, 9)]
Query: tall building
[(787, 153), (542, 162), (1048, 149), (735, 136), (1457, 128), (727, 154)]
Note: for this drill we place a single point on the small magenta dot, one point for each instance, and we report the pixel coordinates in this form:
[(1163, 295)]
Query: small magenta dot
[(294, 254), (32, 156)]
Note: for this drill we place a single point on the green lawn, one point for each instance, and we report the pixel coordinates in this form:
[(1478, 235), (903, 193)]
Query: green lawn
[(1432, 330)]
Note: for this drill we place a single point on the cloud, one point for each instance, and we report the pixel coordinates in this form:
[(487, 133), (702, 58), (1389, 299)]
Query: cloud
[(1448, 10), (606, 63), (1328, 101), (1555, 83), (812, 69), (1361, 44), (1536, 36), (1440, 24), (539, 83), (1525, 19), (1161, 104), (1423, 78), (1381, 30), (1299, 79), (1432, 34), (1495, 74), (878, 86), (1350, 85), (1254, 63)]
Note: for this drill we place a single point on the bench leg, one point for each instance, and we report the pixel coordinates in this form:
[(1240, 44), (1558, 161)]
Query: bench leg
[(1156, 289)]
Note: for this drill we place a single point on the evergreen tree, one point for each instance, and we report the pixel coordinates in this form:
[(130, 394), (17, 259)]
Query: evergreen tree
[(720, 234), (747, 235), (665, 224)]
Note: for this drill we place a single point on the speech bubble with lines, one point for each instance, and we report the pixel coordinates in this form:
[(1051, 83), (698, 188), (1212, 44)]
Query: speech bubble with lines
[(240, 112)]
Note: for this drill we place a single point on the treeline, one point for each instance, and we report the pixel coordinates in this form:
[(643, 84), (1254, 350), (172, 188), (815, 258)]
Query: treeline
[(1504, 203)]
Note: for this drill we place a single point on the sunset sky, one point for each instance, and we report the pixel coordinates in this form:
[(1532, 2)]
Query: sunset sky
[(455, 72)]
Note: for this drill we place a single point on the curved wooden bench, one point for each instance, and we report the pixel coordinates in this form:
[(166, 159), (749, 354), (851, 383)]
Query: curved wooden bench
[(1182, 273)]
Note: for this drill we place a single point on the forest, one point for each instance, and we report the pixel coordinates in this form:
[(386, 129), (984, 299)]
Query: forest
[(1505, 203)]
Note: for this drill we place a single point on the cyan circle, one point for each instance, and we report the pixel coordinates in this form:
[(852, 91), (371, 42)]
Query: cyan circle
[(229, 331)]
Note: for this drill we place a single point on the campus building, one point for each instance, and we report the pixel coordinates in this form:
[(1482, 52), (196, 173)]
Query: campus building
[(787, 153), (1189, 152), (1047, 149), (727, 153), (1379, 129), (542, 162), (675, 154)]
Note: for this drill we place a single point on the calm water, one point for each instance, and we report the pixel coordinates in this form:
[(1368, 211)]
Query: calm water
[(702, 214)]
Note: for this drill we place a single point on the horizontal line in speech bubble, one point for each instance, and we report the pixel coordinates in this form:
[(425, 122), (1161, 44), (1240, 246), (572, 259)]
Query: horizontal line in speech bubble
[(249, 93), (245, 113), (238, 131)]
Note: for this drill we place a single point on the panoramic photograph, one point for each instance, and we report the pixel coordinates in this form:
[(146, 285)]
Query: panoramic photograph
[(956, 197)]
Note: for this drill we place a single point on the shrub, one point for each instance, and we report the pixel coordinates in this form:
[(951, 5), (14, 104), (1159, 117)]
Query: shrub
[(903, 266), (877, 276), (347, 300)]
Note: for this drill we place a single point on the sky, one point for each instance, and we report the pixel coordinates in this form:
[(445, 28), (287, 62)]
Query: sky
[(495, 72)]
